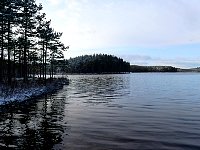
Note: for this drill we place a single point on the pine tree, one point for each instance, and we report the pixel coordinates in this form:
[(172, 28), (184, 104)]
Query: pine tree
[(27, 42), (28, 30)]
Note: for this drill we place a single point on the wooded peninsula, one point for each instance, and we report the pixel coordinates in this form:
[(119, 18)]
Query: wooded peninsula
[(97, 63)]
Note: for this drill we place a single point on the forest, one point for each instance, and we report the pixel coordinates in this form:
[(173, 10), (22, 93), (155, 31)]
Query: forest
[(136, 68), (28, 43), (97, 63)]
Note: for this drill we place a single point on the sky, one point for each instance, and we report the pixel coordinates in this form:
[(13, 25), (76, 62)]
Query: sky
[(143, 32)]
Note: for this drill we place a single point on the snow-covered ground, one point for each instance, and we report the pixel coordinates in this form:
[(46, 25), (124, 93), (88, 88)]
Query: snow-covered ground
[(8, 95)]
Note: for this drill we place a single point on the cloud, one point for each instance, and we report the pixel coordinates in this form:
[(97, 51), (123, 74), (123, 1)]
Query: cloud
[(93, 26), (128, 23), (180, 62), (54, 2)]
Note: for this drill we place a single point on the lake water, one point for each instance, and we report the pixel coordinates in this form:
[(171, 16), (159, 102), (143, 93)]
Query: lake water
[(105, 112)]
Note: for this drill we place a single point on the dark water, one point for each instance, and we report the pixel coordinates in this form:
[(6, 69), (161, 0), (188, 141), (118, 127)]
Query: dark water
[(105, 112)]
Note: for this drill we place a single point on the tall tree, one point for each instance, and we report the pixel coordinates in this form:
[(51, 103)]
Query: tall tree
[(9, 20), (3, 5), (23, 32), (29, 14)]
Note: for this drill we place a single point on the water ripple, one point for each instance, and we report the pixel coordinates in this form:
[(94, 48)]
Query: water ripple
[(132, 111)]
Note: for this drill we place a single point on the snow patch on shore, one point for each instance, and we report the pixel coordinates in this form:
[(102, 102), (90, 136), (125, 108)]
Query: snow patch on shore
[(22, 94)]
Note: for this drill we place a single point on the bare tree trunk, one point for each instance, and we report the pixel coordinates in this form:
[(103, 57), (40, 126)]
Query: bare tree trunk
[(46, 64), (14, 63), (25, 54), (9, 50), (2, 51), (43, 60)]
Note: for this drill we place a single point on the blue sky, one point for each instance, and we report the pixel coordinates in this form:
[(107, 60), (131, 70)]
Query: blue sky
[(143, 32)]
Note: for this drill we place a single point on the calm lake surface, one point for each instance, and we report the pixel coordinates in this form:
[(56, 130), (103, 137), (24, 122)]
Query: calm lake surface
[(105, 112)]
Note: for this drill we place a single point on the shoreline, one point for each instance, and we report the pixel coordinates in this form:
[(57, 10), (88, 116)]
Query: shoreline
[(31, 91), (104, 73)]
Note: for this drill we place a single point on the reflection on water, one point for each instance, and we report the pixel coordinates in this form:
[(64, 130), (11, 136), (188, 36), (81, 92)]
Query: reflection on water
[(99, 88), (34, 125), (103, 112)]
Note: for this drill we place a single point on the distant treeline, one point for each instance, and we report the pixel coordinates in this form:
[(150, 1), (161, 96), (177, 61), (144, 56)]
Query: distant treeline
[(99, 63), (136, 68)]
